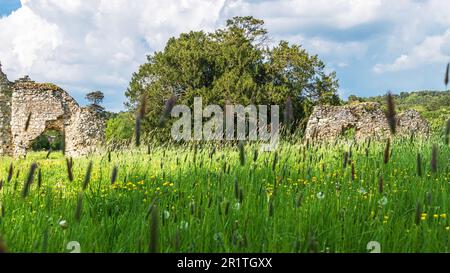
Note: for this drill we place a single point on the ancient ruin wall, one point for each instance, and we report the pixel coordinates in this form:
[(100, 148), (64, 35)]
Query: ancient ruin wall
[(5, 114), (361, 120), (29, 109)]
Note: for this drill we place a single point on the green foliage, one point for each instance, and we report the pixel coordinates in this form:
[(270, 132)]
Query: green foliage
[(120, 127), (42, 142), (232, 65)]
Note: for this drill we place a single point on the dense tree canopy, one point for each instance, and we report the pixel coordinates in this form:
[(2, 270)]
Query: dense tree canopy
[(234, 65)]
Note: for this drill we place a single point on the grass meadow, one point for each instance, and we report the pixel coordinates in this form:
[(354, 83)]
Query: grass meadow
[(330, 197)]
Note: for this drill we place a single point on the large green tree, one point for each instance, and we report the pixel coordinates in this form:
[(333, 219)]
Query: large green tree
[(236, 65)]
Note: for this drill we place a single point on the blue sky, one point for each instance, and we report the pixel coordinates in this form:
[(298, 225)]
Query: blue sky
[(374, 46), (7, 6)]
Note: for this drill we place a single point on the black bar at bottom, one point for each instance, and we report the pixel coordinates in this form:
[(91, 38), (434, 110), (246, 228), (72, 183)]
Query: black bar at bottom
[(220, 262)]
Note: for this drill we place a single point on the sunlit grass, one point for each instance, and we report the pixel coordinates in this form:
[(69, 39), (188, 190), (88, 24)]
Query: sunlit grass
[(211, 200)]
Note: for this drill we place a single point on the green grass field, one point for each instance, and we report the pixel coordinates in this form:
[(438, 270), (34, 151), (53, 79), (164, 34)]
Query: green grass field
[(213, 199)]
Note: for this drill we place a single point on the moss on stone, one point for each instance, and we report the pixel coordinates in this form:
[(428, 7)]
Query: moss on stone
[(36, 86)]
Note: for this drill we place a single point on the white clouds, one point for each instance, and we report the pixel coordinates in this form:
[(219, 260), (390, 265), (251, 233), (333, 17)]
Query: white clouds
[(25, 37), (98, 44), (286, 14), (434, 49), (419, 37)]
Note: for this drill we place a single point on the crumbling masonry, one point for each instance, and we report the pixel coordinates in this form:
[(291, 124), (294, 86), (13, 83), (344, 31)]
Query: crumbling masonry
[(363, 120), (28, 109)]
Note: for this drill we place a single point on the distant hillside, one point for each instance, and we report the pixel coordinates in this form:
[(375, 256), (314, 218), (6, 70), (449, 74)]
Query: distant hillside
[(433, 105)]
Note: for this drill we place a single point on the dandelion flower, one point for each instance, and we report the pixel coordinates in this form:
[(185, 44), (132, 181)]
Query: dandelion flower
[(166, 214), (63, 224), (383, 201), (320, 195), (443, 216)]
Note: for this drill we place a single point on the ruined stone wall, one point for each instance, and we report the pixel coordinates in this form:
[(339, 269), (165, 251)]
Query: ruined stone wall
[(5, 114), (360, 121), (84, 133), (29, 109)]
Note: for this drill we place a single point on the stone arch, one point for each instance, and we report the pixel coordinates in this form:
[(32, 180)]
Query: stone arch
[(36, 108), (52, 125)]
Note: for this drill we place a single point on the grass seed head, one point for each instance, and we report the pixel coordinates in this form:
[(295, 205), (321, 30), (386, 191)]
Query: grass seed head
[(345, 159), (87, 177), (39, 178), (69, 169), (114, 175), (10, 172), (418, 213), (447, 74), (241, 153), (387, 150), (27, 123), (380, 184), (29, 180), (390, 114), (168, 106), (137, 131), (419, 165)]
